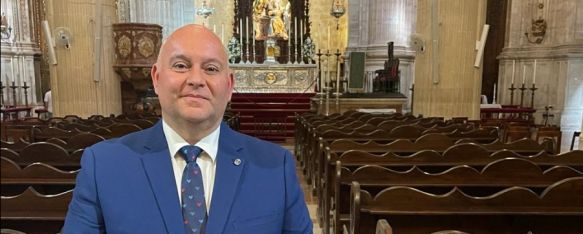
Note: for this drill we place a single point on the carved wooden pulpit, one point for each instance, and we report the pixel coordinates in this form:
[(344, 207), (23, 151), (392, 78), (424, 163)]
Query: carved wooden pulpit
[(136, 47)]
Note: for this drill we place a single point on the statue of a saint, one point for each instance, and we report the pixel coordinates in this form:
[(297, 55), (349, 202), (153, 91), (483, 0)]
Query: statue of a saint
[(271, 18), (234, 48)]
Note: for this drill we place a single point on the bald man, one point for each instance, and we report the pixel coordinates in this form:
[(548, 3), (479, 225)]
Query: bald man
[(190, 173)]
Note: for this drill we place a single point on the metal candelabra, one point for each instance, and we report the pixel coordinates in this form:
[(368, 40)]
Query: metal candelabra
[(13, 87), (247, 56), (522, 89), (337, 74), (512, 93), (319, 79), (25, 87), (289, 51), (328, 84), (412, 96), (254, 58), (532, 89), (296, 51)]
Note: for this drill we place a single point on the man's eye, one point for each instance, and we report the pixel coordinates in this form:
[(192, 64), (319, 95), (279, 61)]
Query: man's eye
[(180, 67), (212, 69)]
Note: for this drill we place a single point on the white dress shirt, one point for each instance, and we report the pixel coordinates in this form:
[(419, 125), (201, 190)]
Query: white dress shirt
[(206, 161)]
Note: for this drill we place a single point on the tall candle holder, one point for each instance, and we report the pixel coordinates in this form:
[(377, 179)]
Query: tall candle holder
[(532, 89), (296, 51), (337, 74), (512, 93), (289, 51), (328, 83), (2, 94), (319, 79), (412, 96), (248, 49), (522, 89), (25, 87), (301, 49), (253, 55), (13, 87)]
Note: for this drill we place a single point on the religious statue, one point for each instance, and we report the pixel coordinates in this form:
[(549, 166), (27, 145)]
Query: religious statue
[(309, 49), (234, 48), (388, 78), (271, 19), (6, 29)]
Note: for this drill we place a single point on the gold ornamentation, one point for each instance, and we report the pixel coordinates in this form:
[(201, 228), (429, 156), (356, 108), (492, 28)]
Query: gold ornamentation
[(127, 72), (146, 47), (270, 78), (124, 46)]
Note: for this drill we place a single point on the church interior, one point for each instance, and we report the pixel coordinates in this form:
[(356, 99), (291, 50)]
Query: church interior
[(405, 116)]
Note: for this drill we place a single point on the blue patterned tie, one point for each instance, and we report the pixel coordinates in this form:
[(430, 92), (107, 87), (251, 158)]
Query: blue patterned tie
[(193, 202)]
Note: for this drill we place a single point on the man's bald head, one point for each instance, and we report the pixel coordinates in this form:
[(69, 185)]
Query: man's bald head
[(192, 33)]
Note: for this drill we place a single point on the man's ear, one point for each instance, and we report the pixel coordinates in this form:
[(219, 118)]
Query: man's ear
[(231, 84), (155, 76)]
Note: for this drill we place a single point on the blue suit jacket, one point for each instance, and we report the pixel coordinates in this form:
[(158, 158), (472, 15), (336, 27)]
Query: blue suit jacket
[(127, 185)]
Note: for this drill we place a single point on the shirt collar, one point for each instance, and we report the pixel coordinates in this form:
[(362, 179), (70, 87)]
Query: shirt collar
[(209, 143)]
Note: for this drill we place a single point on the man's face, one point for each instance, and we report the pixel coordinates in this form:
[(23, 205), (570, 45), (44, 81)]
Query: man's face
[(192, 77)]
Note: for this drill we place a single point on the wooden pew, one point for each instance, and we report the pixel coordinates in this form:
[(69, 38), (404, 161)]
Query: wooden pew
[(498, 174), (32, 212), (43, 177), (559, 209), (437, 142)]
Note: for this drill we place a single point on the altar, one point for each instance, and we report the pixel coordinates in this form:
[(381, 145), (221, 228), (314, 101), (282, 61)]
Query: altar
[(364, 102), (274, 78)]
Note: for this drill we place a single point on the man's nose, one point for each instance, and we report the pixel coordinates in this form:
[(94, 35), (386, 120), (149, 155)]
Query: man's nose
[(195, 78)]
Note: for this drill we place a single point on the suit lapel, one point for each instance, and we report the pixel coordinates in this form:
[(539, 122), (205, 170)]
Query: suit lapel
[(230, 164), (158, 168)]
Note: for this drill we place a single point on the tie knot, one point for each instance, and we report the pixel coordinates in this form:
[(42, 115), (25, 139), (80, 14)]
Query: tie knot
[(190, 153)]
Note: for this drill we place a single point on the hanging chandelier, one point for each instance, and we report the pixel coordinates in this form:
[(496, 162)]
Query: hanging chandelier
[(204, 10), (337, 11)]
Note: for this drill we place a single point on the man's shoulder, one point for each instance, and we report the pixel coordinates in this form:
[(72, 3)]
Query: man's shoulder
[(133, 141)]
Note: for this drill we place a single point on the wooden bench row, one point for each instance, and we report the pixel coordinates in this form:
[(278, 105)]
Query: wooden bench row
[(495, 176), (558, 209)]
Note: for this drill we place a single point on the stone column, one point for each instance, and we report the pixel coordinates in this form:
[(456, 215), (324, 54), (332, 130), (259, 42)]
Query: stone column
[(373, 23), (75, 89), (581, 138), (558, 55), (18, 51), (447, 83)]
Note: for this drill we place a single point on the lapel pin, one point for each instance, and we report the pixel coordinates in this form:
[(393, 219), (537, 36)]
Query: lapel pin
[(237, 162)]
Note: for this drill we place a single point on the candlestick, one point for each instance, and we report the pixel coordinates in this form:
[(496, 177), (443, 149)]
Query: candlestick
[(494, 96), (301, 42), (247, 37), (253, 40), (13, 93), (532, 89), (534, 73), (522, 89), (2, 93), (513, 65), (523, 73), (296, 40), (25, 87), (337, 73), (241, 39), (512, 93), (319, 82)]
